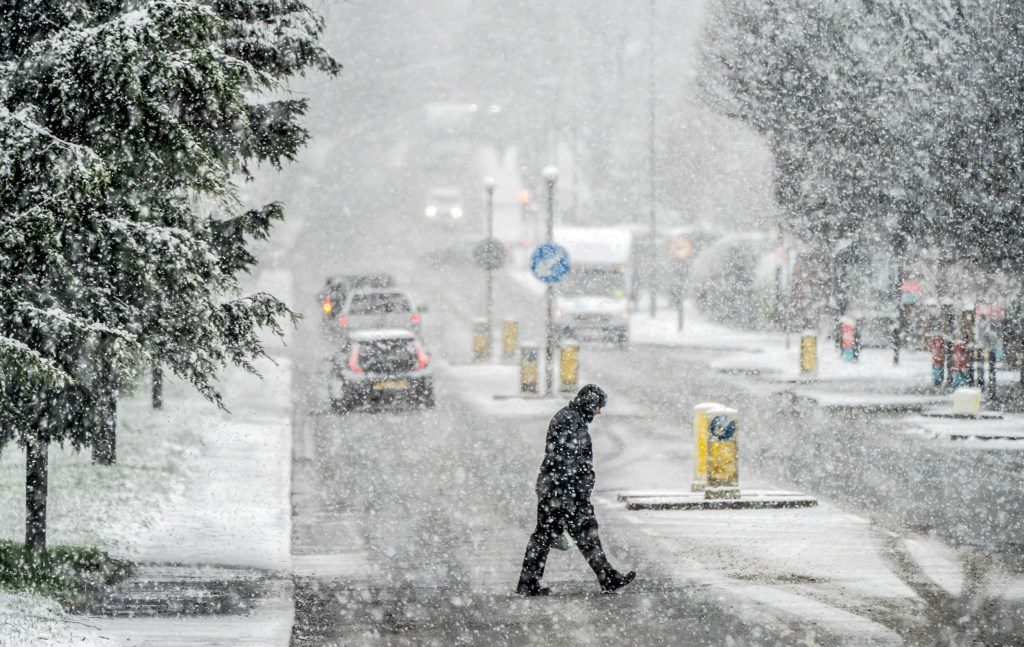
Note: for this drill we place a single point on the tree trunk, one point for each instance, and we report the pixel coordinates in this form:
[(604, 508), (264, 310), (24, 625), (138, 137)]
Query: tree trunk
[(36, 459), (104, 446), (158, 387)]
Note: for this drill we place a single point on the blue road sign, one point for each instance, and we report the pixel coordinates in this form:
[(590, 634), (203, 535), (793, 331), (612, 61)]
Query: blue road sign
[(722, 428), (550, 263)]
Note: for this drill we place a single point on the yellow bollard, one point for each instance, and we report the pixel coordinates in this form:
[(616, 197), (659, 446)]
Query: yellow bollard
[(509, 339), (808, 354), (481, 341), (528, 368), (723, 454), (569, 366), (700, 444)]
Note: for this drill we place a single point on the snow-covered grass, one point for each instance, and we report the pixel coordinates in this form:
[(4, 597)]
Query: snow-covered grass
[(192, 483), (106, 506), (96, 506), (64, 572)]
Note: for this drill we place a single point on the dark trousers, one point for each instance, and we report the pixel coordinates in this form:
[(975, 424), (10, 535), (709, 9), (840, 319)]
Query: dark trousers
[(554, 517)]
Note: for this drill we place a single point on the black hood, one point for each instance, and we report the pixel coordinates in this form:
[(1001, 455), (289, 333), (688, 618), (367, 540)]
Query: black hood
[(588, 400)]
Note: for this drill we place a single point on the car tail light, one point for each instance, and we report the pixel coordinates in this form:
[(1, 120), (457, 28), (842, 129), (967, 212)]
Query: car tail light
[(353, 360), (422, 359), (342, 321), (416, 318), (327, 306)]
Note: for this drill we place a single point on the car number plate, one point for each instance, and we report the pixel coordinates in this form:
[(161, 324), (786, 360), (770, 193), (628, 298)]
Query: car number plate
[(389, 385)]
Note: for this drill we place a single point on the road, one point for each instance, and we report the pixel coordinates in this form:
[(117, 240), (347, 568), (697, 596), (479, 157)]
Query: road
[(409, 526)]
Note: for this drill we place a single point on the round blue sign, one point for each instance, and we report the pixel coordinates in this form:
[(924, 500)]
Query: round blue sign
[(550, 263), (722, 428)]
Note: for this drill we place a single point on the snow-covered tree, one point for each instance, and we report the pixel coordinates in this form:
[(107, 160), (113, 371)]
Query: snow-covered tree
[(854, 97), (116, 119)]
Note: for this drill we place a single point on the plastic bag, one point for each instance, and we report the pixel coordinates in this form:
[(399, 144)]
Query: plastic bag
[(564, 541)]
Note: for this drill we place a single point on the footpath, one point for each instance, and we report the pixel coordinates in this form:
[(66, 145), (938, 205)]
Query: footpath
[(198, 499), (768, 363)]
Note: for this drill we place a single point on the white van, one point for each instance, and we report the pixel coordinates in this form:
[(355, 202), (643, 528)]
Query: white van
[(592, 301)]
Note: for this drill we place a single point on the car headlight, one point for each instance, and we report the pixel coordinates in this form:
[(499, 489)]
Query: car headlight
[(456, 212), (625, 314), (431, 211), (558, 313)]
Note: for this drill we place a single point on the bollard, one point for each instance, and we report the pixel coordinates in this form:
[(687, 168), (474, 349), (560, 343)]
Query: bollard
[(528, 368), (509, 339), (700, 444), (972, 360), (958, 364), (978, 368), (938, 360), (808, 354), (856, 340), (481, 341), (949, 361), (723, 454), (991, 373), (569, 366)]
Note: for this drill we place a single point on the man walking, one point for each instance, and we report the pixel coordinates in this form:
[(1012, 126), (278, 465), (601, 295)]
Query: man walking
[(563, 496)]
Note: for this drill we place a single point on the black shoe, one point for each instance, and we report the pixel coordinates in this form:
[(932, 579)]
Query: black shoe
[(532, 589), (616, 581)]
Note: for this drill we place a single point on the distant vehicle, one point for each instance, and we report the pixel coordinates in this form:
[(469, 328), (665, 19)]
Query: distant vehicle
[(444, 206), (337, 288), (371, 309), (592, 302), (381, 366)]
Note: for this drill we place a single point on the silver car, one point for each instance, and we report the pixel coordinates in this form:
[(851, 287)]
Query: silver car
[(381, 366), (375, 309)]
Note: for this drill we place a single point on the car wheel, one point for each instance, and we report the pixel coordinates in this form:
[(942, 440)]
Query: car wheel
[(342, 404), (425, 398)]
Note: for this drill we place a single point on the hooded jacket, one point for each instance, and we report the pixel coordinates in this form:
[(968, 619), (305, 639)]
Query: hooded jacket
[(568, 466)]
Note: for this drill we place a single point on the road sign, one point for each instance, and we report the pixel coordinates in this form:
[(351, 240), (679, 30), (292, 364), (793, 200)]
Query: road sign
[(680, 247), (489, 254), (550, 263), (722, 427)]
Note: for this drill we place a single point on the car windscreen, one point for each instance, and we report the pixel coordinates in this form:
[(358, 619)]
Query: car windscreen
[(379, 303), (601, 281)]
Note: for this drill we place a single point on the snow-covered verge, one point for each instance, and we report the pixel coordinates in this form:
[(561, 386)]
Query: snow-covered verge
[(192, 484), (771, 356), (32, 620)]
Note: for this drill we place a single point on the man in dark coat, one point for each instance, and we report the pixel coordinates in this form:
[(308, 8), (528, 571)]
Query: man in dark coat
[(563, 496)]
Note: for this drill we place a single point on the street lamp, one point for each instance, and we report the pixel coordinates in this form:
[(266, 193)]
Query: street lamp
[(550, 174), (652, 152), (489, 188)]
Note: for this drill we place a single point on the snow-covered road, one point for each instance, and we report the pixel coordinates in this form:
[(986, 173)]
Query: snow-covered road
[(410, 525)]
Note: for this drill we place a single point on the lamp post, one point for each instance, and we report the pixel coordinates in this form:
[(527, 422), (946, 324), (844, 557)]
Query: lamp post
[(652, 161), (489, 187), (551, 178)]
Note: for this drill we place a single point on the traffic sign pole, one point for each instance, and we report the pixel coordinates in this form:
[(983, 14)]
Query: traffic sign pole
[(489, 184), (551, 176)]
